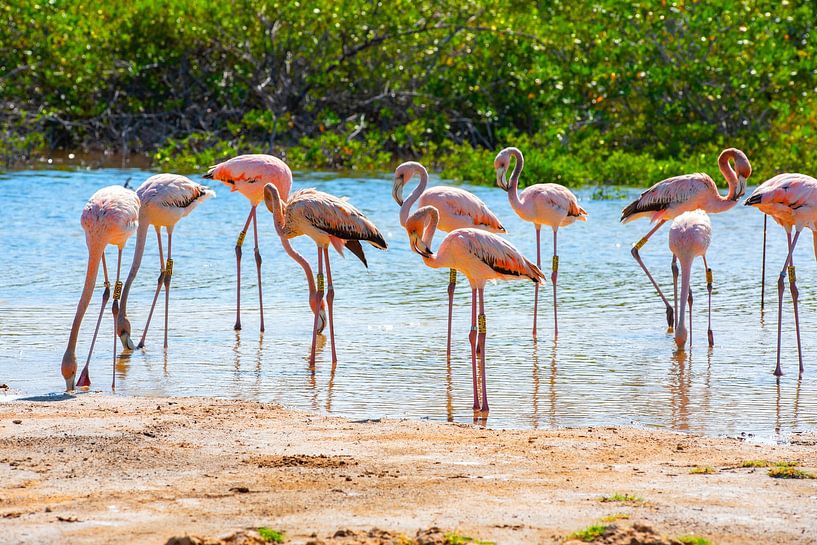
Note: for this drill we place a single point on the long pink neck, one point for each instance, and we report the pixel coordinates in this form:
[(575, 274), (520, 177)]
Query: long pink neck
[(141, 238), (95, 250), (731, 178), (405, 210), (513, 189), (279, 219)]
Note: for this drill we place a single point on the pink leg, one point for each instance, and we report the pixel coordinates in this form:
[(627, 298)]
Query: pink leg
[(482, 329), (763, 266), (472, 338), (638, 245), (795, 296), (674, 268), (117, 293), (689, 300), (710, 337), (553, 276), (257, 263), (452, 284), (330, 298), (318, 300), (159, 284), (238, 244), (780, 288), (84, 380), (167, 276), (536, 286)]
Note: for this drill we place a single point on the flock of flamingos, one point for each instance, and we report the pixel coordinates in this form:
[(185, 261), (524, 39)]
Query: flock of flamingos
[(473, 245)]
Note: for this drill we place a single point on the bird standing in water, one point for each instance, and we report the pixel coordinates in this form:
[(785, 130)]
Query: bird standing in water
[(456, 207), (248, 174), (166, 199), (110, 216), (541, 204)]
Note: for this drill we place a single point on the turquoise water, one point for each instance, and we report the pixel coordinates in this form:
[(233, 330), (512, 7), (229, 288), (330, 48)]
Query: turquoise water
[(613, 364)]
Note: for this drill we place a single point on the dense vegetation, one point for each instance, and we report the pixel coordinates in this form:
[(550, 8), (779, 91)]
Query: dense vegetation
[(608, 91)]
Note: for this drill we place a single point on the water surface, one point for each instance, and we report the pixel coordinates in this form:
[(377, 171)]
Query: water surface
[(613, 363)]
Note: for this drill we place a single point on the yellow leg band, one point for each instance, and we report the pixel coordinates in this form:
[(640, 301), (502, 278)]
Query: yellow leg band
[(117, 290), (638, 245), (555, 264), (240, 240), (169, 267), (452, 276), (708, 276), (792, 275), (482, 325), (320, 281)]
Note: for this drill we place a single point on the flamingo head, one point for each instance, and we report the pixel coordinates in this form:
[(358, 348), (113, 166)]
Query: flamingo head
[(123, 330), (416, 227), (402, 175), (680, 337), (69, 370), (743, 168), (501, 165), (321, 314)]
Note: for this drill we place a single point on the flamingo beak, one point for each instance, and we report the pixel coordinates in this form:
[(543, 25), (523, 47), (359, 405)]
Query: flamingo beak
[(419, 246), (127, 343), (69, 384), (397, 190), (321, 320), (500, 177), (741, 187)]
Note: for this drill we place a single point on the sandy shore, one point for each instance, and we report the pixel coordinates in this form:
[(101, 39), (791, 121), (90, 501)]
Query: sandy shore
[(101, 469)]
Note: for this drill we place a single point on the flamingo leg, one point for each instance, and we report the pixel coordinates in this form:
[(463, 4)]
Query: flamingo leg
[(168, 274), (84, 380), (795, 296), (318, 300), (780, 289), (536, 286), (452, 284), (472, 338), (257, 263), (709, 335), (637, 246), (159, 283), (689, 300), (238, 243), (117, 293), (763, 266), (674, 268), (482, 330), (330, 298), (554, 275)]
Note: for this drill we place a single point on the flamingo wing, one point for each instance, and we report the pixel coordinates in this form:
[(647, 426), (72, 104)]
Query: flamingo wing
[(336, 217), (173, 191), (254, 168), (461, 208), (668, 193), (498, 254), (791, 190), (555, 197)]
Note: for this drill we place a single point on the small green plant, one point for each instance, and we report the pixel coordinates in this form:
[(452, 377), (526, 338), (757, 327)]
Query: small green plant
[(621, 498), (453, 538), (270, 535), (755, 463), (702, 470), (591, 533), (694, 540), (786, 463), (789, 472), (615, 516)]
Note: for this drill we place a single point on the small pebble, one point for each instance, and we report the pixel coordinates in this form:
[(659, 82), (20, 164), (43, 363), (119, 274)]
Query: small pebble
[(17, 421)]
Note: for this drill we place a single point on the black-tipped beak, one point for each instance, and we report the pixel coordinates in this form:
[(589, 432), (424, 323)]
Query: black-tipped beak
[(208, 175), (397, 190), (500, 178)]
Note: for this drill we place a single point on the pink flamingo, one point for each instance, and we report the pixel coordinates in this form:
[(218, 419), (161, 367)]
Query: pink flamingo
[(456, 207), (670, 198), (110, 217), (791, 199), (689, 237), (327, 220), (480, 256), (248, 174), (165, 198), (540, 204)]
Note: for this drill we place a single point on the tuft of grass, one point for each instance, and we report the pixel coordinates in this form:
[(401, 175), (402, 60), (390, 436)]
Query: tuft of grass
[(453, 538), (591, 533), (270, 535), (694, 540), (786, 463), (755, 463), (789, 472), (621, 498), (615, 516), (702, 470)]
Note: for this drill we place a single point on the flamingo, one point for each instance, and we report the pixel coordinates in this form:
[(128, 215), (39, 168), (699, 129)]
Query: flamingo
[(689, 237), (540, 204), (110, 216), (670, 198), (165, 198), (480, 256), (791, 200), (456, 207), (248, 174), (327, 220)]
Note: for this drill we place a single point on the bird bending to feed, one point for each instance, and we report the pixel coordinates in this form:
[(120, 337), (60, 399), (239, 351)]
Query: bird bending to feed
[(327, 220), (248, 174), (110, 216), (791, 199), (456, 207), (670, 198), (165, 198), (689, 237), (480, 256), (540, 204)]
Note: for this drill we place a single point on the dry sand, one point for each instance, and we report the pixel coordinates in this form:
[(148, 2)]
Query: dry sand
[(98, 469)]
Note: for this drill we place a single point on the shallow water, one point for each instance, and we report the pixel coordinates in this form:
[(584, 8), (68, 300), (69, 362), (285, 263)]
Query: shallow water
[(614, 362)]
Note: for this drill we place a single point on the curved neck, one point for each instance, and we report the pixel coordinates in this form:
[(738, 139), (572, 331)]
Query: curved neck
[(729, 174), (95, 250), (513, 189), (405, 210), (278, 209), (300, 260), (430, 222), (141, 237)]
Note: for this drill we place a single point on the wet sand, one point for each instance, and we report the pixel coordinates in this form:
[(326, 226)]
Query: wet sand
[(98, 469)]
